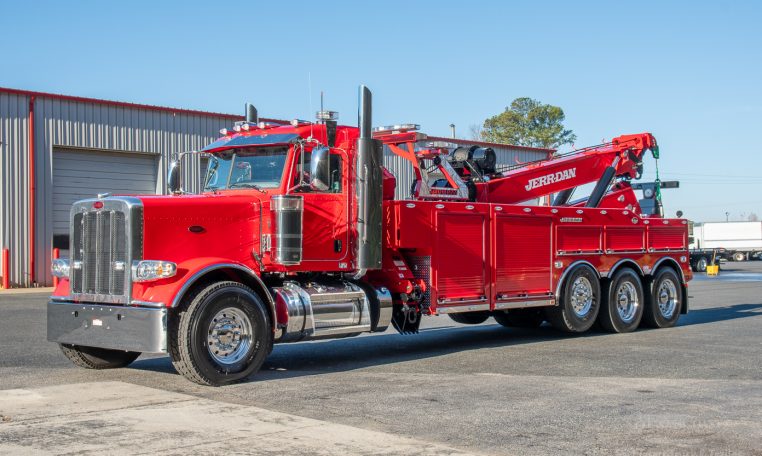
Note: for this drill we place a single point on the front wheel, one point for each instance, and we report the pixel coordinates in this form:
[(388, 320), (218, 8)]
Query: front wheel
[(221, 335), (98, 358), (579, 301)]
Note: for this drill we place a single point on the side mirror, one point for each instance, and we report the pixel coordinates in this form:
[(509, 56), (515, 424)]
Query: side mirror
[(173, 177), (320, 169)]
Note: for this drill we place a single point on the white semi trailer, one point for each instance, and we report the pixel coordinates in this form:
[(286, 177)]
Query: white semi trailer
[(741, 240)]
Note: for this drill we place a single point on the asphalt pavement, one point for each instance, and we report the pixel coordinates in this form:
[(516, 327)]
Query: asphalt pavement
[(452, 389)]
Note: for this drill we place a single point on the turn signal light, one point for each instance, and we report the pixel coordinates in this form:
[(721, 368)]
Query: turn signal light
[(147, 270), (60, 268)]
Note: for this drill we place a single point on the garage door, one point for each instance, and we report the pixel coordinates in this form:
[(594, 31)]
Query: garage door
[(79, 174)]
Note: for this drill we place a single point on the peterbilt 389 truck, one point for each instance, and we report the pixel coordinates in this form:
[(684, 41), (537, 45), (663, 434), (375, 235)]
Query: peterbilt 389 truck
[(297, 236)]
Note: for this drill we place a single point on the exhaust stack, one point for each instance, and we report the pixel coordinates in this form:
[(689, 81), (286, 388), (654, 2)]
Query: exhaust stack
[(369, 189), (251, 113)]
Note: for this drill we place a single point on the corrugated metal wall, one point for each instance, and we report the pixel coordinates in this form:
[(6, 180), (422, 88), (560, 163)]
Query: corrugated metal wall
[(82, 125), (14, 196), (403, 170)]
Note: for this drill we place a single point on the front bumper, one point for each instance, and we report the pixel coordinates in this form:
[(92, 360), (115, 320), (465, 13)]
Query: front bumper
[(137, 329)]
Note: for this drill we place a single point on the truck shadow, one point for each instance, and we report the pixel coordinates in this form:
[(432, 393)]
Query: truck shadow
[(715, 314), (337, 355)]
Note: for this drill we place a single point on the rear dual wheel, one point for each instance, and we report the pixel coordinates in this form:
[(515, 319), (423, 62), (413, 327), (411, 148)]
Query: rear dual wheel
[(579, 301), (701, 264), (623, 307), (664, 301)]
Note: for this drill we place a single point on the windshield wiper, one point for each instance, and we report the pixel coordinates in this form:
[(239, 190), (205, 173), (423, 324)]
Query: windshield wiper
[(246, 185)]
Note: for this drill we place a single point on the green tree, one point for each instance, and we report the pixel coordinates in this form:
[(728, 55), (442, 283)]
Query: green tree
[(528, 122)]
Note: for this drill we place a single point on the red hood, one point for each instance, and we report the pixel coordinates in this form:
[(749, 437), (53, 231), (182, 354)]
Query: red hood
[(183, 227)]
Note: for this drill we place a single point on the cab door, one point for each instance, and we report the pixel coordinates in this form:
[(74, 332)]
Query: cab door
[(326, 213)]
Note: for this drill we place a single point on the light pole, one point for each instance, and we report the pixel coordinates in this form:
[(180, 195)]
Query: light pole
[(727, 216)]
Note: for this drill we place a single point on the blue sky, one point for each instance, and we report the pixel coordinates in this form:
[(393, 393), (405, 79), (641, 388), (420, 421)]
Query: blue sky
[(689, 72)]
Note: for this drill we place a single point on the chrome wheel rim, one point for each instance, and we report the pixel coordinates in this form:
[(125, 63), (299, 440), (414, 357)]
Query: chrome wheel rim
[(229, 336), (581, 296), (627, 301), (667, 298)]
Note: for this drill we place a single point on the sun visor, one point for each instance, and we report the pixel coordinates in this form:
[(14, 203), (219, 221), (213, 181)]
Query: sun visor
[(250, 140)]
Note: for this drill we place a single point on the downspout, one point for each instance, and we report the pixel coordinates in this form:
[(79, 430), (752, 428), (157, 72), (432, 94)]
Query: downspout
[(32, 192)]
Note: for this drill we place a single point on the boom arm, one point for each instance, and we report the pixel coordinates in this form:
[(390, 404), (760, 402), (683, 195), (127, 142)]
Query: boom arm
[(622, 157)]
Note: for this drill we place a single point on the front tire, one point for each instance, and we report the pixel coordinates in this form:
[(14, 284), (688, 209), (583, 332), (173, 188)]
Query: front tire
[(664, 301), (579, 301), (221, 335), (623, 308), (98, 358), (701, 264)]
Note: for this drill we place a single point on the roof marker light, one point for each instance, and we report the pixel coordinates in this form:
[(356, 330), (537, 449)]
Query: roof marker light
[(402, 128), (327, 115)]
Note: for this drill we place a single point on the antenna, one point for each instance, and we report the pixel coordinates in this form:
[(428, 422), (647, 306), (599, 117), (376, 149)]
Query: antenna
[(309, 89)]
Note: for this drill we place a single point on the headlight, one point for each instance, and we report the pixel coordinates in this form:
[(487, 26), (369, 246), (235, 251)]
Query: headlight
[(60, 268), (146, 270)]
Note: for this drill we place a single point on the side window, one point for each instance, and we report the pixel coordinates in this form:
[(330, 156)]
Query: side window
[(302, 173), (336, 173)]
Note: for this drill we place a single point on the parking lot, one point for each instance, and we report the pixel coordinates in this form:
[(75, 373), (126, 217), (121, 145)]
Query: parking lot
[(693, 389)]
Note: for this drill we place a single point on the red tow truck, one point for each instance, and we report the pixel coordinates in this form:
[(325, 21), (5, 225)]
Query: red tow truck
[(297, 236)]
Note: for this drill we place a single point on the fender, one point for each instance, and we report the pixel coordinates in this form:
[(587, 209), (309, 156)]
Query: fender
[(681, 274), (569, 269), (674, 263), (170, 293), (622, 262)]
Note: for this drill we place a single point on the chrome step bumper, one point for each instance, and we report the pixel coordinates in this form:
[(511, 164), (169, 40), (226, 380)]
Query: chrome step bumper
[(136, 329)]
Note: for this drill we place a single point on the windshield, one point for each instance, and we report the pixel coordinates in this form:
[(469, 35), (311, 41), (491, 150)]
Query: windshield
[(248, 167)]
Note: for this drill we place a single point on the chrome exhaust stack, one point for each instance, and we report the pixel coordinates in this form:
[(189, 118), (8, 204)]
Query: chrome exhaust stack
[(369, 188)]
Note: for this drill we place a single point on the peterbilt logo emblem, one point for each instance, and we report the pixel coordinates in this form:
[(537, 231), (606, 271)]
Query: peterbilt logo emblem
[(551, 178)]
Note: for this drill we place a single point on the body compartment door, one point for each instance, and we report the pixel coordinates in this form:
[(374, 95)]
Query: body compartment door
[(523, 256)]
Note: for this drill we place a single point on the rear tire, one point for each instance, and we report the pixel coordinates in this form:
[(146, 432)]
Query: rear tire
[(701, 264), (98, 358), (520, 318), (221, 335), (622, 308), (739, 256), (579, 301), (470, 318), (664, 300)]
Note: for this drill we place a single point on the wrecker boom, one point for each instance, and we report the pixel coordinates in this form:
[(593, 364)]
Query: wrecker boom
[(561, 174), (621, 158)]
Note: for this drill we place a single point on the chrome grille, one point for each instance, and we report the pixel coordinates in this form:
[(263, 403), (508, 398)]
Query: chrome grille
[(103, 248)]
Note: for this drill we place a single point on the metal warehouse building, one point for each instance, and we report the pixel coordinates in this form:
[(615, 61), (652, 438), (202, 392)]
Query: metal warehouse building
[(56, 149)]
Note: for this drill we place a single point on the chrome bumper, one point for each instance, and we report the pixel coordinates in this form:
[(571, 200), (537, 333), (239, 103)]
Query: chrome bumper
[(136, 329)]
